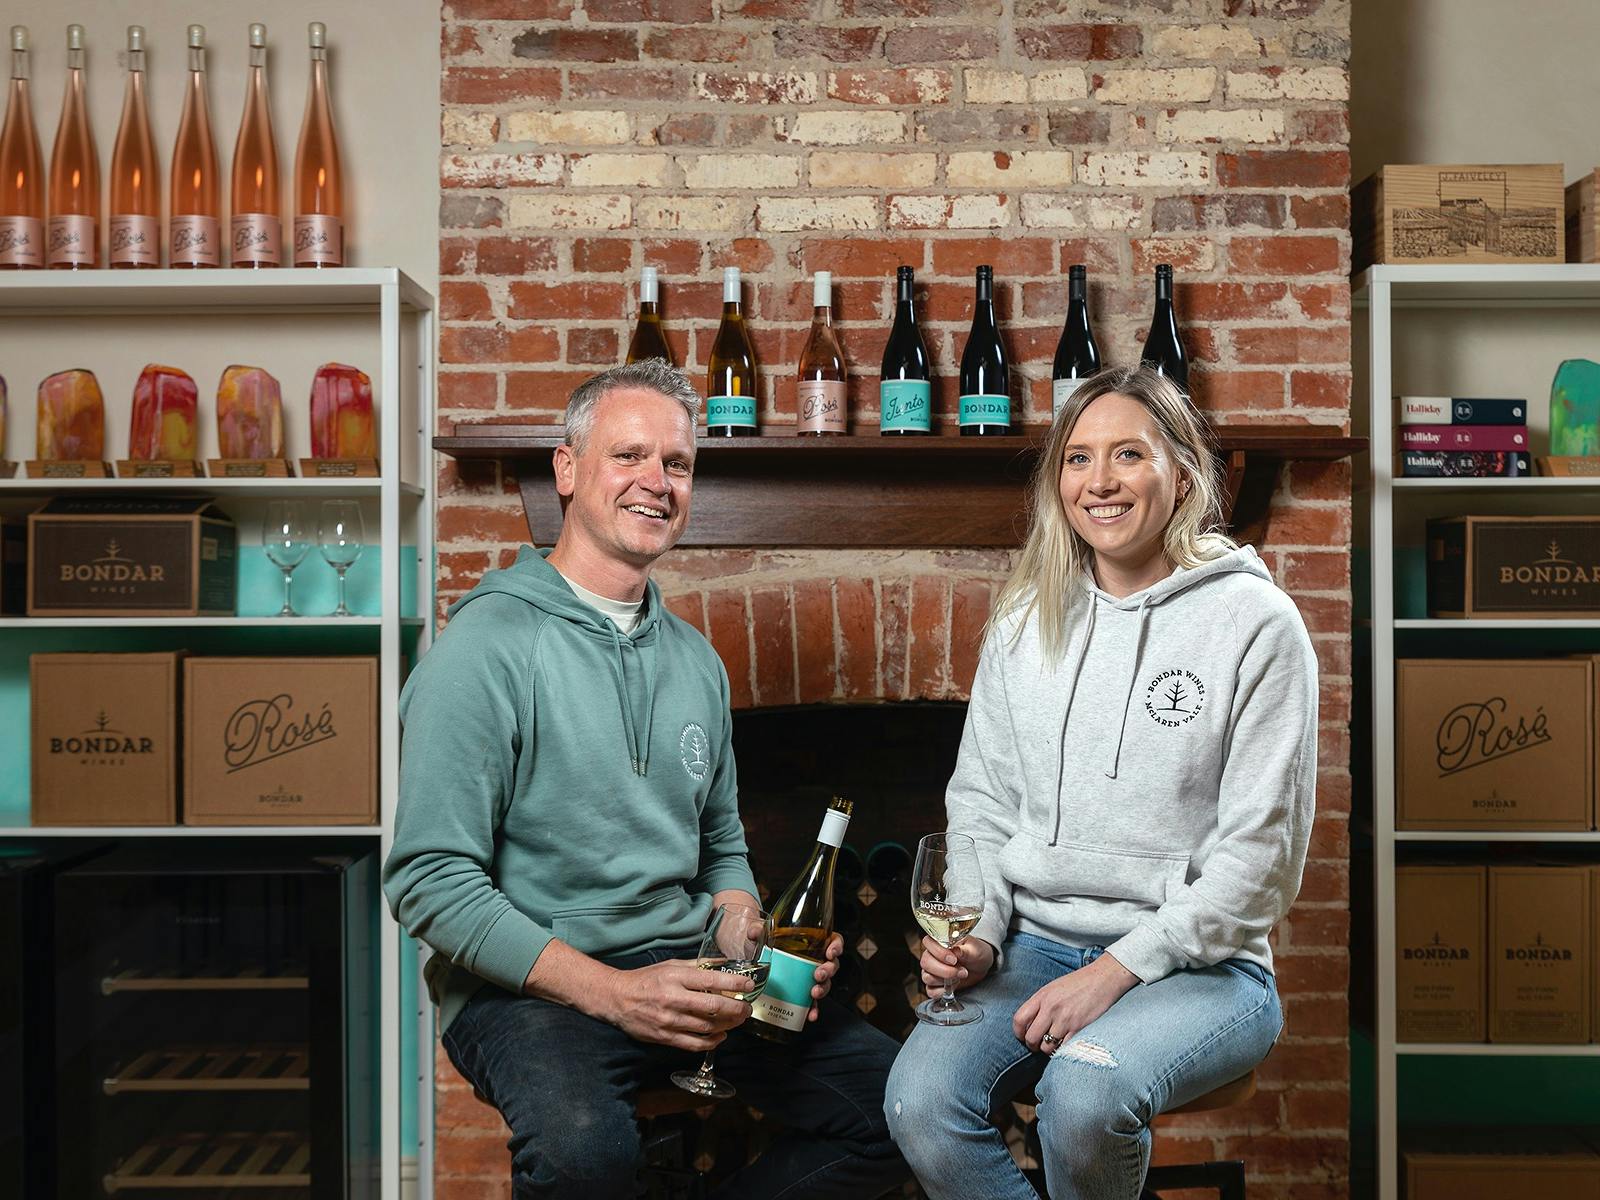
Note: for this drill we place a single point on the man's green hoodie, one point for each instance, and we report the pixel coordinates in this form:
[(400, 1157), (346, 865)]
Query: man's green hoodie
[(559, 779)]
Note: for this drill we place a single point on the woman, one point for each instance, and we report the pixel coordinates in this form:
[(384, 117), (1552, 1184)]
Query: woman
[(1138, 770)]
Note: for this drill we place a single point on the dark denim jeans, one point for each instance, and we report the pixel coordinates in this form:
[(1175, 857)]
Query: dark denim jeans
[(565, 1084)]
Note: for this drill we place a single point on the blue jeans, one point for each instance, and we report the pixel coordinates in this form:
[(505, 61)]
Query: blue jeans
[(1161, 1045), (565, 1084)]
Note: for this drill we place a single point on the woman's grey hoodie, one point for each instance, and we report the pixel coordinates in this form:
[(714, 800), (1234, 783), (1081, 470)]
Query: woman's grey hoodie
[(1152, 792)]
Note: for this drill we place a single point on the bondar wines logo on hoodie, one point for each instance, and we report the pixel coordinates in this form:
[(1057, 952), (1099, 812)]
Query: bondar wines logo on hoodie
[(1174, 697)]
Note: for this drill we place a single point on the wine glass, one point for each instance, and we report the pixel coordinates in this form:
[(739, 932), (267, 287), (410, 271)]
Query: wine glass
[(341, 535), (734, 940), (285, 539), (947, 900)]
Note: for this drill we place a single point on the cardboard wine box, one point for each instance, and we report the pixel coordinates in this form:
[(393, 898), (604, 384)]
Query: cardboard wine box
[(104, 738), (1495, 743), (1439, 949), (1459, 213), (1583, 219), (153, 556), (13, 567), (1539, 944), (1523, 567), (280, 741), (1485, 1163)]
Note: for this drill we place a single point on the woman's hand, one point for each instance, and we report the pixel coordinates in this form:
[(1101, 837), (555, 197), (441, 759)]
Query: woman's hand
[(970, 961), (1062, 1007)]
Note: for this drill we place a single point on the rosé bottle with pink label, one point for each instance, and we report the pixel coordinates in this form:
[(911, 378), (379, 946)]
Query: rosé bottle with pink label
[(21, 171), (194, 238), (318, 181), (256, 222), (72, 238), (135, 234)]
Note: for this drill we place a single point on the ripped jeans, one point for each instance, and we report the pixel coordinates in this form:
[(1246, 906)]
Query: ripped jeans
[(1161, 1045)]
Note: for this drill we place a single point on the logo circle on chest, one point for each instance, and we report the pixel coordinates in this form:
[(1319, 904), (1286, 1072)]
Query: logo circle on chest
[(694, 747), (1174, 697)]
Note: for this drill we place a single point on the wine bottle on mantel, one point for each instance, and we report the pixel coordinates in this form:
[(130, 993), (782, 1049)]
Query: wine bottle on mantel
[(1077, 356), (318, 181), (1162, 348), (21, 171), (256, 223), (194, 235), (73, 235), (648, 339), (905, 400), (820, 394), (731, 379), (985, 379), (802, 922), (135, 235)]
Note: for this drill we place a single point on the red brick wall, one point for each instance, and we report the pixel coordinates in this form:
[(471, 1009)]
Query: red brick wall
[(583, 139)]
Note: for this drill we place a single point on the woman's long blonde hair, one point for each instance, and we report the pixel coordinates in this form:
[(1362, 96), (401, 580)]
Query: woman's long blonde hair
[(1049, 576)]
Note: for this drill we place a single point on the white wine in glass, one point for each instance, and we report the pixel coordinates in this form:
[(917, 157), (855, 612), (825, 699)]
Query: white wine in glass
[(947, 900), (734, 939), (287, 542), (341, 536)]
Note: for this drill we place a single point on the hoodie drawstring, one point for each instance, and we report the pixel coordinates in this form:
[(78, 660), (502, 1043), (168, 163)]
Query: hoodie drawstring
[(1133, 678), (638, 748), (1072, 690)]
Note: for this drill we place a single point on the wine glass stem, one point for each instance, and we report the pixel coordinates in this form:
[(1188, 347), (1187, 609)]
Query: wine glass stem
[(342, 610), (705, 1067), (288, 609)]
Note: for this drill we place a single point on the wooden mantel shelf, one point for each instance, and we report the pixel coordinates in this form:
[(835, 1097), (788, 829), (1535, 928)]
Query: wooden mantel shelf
[(865, 490)]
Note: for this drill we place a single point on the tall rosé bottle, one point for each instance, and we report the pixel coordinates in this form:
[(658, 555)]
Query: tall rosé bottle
[(135, 233), (73, 236), (194, 236), (256, 223), (21, 171), (318, 180)]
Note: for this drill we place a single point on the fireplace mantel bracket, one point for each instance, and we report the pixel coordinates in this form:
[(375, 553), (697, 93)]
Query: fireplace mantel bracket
[(863, 490)]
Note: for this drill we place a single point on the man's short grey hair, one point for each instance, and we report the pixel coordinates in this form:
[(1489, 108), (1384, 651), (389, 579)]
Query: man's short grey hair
[(651, 374)]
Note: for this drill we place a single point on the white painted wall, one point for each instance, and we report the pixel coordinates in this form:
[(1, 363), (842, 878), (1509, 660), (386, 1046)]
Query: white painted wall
[(383, 61), (1488, 81)]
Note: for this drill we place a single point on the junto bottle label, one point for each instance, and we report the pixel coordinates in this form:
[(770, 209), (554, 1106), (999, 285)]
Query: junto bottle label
[(21, 242), (135, 241), (786, 999), (731, 410), (256, 238), (195, 242), (820, 405), (986, 410), (318, 241), (1061, 391), (72, 240), (905, 404)]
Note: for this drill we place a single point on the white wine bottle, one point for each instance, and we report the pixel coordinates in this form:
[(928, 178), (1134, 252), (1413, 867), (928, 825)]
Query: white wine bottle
[(802, 922), (648, 339), (731, 377)]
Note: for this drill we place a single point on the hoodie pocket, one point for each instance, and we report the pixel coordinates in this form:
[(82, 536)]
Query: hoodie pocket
[(611, 927), (1078, 869)]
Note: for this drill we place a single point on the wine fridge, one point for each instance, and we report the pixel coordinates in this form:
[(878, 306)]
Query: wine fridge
[(215, 1031)]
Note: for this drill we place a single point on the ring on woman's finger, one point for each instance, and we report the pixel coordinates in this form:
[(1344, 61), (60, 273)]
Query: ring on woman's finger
[(1049, 1039)]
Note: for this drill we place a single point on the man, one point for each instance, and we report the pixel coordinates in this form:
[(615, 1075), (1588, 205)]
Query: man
[(560, 850)]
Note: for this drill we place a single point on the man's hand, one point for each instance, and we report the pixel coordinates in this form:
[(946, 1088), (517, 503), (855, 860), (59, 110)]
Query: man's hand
[(674, 1003), (969, 962), (826, 970), (1062, 1007)]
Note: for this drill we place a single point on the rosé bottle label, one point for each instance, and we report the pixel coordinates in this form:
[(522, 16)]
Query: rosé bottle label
[(72, 240), (196, 242), (256, 238), (136, 240), (318, 241), (21, 242), (820, 405)]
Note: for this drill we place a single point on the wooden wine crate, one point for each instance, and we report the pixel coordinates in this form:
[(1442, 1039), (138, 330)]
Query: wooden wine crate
[(1583, 220), (1460, 213)]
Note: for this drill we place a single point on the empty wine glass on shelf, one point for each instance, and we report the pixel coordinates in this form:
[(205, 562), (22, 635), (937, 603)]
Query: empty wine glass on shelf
[(287, 542), (947, 900), (341, 535), (735, 937)]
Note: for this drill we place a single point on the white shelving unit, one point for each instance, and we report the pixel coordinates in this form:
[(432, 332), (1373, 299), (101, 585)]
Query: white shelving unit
[(289, 321), (1454, 293)]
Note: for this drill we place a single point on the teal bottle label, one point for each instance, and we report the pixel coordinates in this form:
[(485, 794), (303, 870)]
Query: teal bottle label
[(786, 999), (986, 410), (731, 410), (905, 404)]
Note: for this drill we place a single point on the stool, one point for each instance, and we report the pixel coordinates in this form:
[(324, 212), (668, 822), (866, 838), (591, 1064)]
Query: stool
[(667, 1171), (1227, 1178)]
